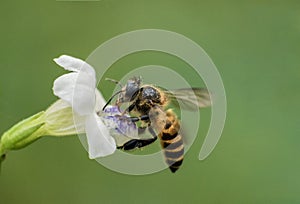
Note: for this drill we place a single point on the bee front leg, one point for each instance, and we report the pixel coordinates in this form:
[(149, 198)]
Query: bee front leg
[(128, 109), (141, 118)]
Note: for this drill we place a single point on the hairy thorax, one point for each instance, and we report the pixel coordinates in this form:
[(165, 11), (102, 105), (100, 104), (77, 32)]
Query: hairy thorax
[(148, 98)]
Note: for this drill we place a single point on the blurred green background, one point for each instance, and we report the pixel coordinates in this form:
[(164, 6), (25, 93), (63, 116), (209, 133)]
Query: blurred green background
[(254, 44)]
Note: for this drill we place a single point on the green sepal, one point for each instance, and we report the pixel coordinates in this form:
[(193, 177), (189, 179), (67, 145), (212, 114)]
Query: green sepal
[(23, 133)]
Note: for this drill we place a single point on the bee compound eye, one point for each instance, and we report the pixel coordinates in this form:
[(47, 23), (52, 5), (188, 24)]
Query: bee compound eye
[(131, 90)]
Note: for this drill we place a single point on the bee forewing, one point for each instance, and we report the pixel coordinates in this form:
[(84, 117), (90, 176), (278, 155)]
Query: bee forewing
[(157, 118), (190, 98)]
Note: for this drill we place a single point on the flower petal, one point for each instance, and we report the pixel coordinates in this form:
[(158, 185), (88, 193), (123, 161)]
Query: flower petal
[(100, 101), (74, 64), (121, 128), (61, 120), (100, 143), (84, 98), (77, 89), (63, 87)]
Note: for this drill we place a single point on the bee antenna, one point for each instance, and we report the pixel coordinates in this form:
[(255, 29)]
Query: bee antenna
[(114, 81), (110, 99)]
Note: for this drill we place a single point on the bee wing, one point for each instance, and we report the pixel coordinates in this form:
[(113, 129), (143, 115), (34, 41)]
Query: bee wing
[(157, 118), (190, 98)]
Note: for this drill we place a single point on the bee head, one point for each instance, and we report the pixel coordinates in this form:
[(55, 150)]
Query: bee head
[(130, 91)]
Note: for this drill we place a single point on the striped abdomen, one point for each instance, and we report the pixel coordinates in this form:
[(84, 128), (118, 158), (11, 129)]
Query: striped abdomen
[(171, 142)]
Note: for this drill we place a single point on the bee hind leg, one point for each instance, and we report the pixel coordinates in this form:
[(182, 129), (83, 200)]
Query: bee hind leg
[(135, 143), (139, 143)]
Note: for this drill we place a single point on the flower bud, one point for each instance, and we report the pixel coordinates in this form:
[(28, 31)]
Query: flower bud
[(57, 120), (22, 134)]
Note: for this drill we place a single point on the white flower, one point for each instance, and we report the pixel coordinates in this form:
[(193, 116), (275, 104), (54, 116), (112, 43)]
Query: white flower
[(78, 89), (74, 113)]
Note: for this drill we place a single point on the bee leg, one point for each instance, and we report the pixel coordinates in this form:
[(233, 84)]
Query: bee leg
[(136, 143), (128, 109), (141, 118), (131, 144)]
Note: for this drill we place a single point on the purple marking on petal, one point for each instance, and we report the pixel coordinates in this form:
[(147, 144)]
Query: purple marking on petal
[(122, 123), (112, 110)]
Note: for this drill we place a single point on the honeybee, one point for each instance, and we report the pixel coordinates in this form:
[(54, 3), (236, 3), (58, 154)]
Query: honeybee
[(148, 103)]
